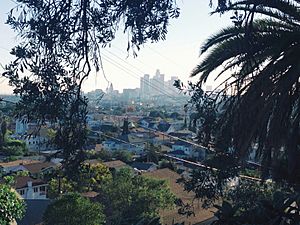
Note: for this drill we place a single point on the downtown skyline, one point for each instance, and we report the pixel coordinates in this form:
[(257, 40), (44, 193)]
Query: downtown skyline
[(175, 56)]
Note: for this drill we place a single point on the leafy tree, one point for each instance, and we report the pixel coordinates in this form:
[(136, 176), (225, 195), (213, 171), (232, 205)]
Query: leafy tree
[(61, 43), (58, 186), (257, 109), (3, 129), (263, 109), (167, 164), (152, 153), (124, 156), (91, 177), (156, 114), (73, 209), (104, 155), (128, 198), (11, 206), (14, 147)]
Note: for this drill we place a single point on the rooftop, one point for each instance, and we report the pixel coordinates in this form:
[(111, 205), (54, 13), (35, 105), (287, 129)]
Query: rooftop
[(116, 164), (177, 152), (22, 182), (182, 143), (38, 167), (142, 165), (170, 216), (18, 162)]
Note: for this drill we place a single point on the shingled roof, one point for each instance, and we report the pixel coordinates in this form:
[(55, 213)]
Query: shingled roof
[(170, 216), (22, 182), (116, 164), (38, 167)]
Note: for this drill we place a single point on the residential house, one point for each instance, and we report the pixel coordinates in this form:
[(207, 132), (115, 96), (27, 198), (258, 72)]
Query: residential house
[(148, 122), (190, 149), (30, 188), (126, 142), (179, 154), (175, 126), (112, 165), (144, 167), (186, 134), (36, 137), (163, 126), (115, 165), (41, 168), (15, 166)]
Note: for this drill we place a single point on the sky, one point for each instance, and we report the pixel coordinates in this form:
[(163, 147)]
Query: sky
[(176, 56)]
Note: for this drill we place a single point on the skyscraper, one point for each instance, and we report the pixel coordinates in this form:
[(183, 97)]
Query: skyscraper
[(145, 86)]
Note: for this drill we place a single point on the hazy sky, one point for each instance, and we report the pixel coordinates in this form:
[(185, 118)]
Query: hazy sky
[(175, 56)]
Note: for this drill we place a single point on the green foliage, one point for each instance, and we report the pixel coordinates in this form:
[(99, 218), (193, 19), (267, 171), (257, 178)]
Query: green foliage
[(58, 186), (157, 114), (92, 177), (73, 209), (124, 156), (247, 195), (262, 57), (167, 164), (128, 198), (9, 180), (22, 174), (10, 158), (89, 178), (152, 153), (2, 131), (251, 173), (11, 147), (104, 155), (263, 207), (11, 206), (61, 44), (257, 108)]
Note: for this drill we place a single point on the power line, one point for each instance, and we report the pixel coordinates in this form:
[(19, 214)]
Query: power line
[(133, 74), (197, 164), (195, 144), (168, 59), (149, 66), (137, 69), (180, 139)]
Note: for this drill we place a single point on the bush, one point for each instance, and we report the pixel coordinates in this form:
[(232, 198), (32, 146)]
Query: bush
[(74, 209)]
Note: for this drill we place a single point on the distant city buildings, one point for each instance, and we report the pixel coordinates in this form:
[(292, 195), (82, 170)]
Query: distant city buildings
[(157, 85), (152, 90)]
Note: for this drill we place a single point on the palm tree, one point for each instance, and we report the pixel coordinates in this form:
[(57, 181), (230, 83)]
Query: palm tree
[(260, 60)]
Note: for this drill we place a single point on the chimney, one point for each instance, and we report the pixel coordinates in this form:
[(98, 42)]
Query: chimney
[(29, 183), (125, 127)]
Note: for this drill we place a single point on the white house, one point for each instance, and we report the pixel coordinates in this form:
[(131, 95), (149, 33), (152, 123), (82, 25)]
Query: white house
[(126, 142), (188, 149), (21, 127), (30, 188), (37, 143)]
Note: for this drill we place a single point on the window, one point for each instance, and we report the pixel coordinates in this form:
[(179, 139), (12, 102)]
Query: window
[(42, 189), (35, 189), (22, 192)]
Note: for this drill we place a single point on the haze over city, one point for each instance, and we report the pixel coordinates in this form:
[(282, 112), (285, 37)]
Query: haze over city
[(129, 144), (176, 56)]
